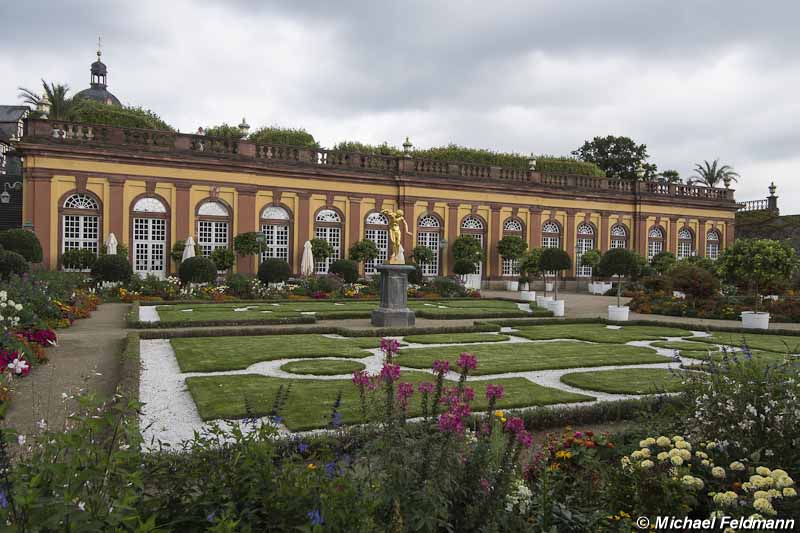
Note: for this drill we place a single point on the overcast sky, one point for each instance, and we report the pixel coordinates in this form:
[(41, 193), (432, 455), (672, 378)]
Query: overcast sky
[(693, 80)]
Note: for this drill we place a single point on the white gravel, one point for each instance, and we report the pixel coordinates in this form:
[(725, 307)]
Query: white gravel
[(148, 313), (169, 414)]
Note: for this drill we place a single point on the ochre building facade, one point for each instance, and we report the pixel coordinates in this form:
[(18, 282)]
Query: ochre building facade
[(152, 189)]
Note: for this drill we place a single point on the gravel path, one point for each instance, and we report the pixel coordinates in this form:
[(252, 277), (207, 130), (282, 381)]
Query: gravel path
[(148, 313)]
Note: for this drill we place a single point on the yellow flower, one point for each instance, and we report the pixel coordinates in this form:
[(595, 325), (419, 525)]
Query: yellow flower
[(789, 492), (499, 414), (647, 463), (663, 456), (503, 420), (663, 442), (718, 472), (736, 466), (676, 460), (311, 466), (563, 454), (763, 471), (762, 505), (645, 452)]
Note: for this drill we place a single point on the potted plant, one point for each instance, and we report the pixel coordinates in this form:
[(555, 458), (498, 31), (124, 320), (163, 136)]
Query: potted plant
[(512, 248), (555, 260), (591, 258), (757, 263), (622, 263), (528, 268)]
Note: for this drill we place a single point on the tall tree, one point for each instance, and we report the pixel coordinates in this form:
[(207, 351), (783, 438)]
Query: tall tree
[(669, 176), (56, 97), (619, 157), (710, 174)]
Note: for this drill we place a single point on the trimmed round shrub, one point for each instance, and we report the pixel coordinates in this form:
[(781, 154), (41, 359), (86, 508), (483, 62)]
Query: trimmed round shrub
[(696, 282), (653, 284), (80, 259), (462, 267), (24, 242), (224, 258), (422, 254), (554, 259), (198, 270), (274, 271), (415, 276), (347, 270), (12, 263), (112, 268), (364, 251)]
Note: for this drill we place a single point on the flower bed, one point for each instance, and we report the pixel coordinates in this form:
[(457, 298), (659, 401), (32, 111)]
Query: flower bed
[(784, 309)]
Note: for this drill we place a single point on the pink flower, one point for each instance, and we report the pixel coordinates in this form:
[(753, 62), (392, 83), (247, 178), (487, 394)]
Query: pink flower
[(450, 423), (515, 424), (469, 394), (425, 387), (467, 361), (361, 378), (494, 392), (389, 346), (390, 372), (19, 366), (524, 438), (404, 392), (441, 367), (485, 486)]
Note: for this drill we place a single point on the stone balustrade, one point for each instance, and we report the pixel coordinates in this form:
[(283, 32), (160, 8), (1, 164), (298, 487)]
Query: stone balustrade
[(53, 131)]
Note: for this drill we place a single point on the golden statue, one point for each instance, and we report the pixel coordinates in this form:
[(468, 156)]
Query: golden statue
[(396, 218)]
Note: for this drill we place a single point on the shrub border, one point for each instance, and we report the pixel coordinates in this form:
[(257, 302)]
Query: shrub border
[(273, 300)]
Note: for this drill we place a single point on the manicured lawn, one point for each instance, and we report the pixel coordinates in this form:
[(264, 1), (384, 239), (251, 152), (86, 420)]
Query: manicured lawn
[(771, 343), (626, 380), (322, 367), (444, 338), (599, 332), (521, 357), (758, 355), (476, 308), (212, 354), (310, 402), (683, 345)]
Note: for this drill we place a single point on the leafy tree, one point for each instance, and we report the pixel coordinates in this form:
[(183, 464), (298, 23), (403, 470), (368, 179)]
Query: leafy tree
[(757, 263), (367, 149), (24, 242), (478, 156), (555, 259), (247, 244), (662, 262), (112, 268), (619, 157), (55, 95), (591, 258), (619, 262), (567, 165), (94, 112), (669, 176), (462, 267), (363, 251), (224, 130), (422, 254), (696, 282), (703, 262), (529, 265), (287, 136), (223, 257), (321, 249), (467, 248), (710, 174), (512, 247)]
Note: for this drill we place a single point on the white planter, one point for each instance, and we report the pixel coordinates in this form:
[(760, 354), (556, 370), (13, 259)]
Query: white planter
[(678, 294), (524, 286), (472, 281), (753, 320), (512, 285), (548, 286), (599, 287), (556, 307), (618, 313), (527, 296), (541, 301)]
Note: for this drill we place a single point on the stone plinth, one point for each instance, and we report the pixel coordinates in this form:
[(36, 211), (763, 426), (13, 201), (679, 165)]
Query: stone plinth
[(394, 311)]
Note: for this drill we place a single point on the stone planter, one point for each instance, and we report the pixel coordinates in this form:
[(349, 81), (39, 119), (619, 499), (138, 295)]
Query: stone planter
[(753, 320), (599, 287), (541, 301), (556, 307), (512, 286), (527, 296), (618, 313), (523, 286), (548, 286)]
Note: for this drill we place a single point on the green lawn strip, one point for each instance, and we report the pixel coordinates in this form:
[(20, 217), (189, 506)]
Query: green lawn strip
[(213, 354), (310, 402), (599, 333), (626, 380), (469, 312), (322, 367), (683, 345), (522, 357), (718, 356), (466, 304), (451, 338), (771, 343)]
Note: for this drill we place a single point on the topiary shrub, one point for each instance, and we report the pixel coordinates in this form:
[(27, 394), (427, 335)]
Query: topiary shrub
[(81, 259), (363, 251), (198, 270), (422, 254), (663, 262), (12, 263), (591, 258), (467, 248), (24, 242), (463, 267), (247, 244), (321, 249), (223, 258), (347, 270), (556, 260), (274, 271), (529, 265), (619, 262), (112, 268), (512, 247), (696, 282)]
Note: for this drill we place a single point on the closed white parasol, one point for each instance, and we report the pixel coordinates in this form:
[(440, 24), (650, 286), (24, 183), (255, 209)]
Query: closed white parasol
[(111, 244), (188, 250), (307, 264)]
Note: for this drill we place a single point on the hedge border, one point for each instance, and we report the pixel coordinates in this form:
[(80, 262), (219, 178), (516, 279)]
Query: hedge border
[(285, 300), (661, 323)]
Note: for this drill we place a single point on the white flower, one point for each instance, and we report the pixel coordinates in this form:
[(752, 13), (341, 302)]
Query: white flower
[(21, 440), (82, 506), (18, 307), (18, 365)]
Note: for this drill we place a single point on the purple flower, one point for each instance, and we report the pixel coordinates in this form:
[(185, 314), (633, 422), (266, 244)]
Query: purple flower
[(525, 438), (441, 367), (467, 361), (315, 517), (390, 372), (361, 378), (426, 387), (336, 421), (468, 394), (303, 447), (494, 392), (389, 346), (450, 423), (404, 392), (514, 424), (209, 517), (330, 469)]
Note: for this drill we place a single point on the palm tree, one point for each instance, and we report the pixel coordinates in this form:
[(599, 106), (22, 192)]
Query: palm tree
[(711, 174), (54, 96)]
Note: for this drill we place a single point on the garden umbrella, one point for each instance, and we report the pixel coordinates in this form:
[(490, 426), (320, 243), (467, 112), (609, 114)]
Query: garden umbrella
[(188, 250), (307, 263), (111, 244)]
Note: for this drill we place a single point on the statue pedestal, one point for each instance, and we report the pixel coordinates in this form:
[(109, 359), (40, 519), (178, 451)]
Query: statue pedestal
[(394, 311)]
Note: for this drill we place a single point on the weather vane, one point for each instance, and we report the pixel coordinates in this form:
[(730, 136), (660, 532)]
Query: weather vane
[(99, 45)]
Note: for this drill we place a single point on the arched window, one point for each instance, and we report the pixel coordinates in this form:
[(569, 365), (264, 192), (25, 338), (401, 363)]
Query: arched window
[(512, 226), (80, 223), (475, 228), (213, 226), (429, 230), (328, 227), (150, 230), (619, 236), (276, 227), (376, 229), (655, 242), (584, 243), (685, 243), (551, 234), (712, 245)]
